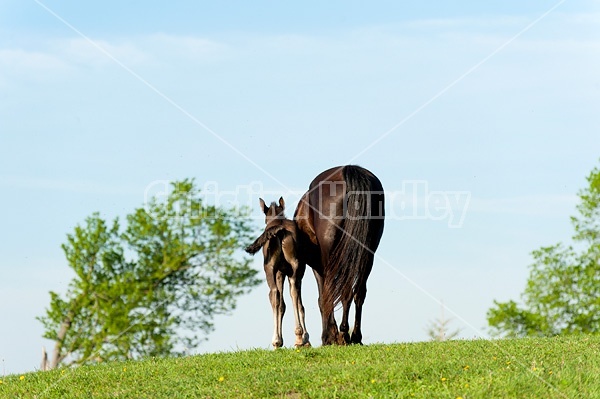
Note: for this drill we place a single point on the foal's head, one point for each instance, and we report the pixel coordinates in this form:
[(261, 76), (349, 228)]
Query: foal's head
[(274, 211)]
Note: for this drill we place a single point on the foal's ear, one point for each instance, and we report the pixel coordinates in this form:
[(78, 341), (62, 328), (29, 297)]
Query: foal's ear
[(281, 202), (263, 206)]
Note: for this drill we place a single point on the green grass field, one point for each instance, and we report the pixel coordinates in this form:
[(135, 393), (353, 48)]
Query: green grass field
[(567, 367)]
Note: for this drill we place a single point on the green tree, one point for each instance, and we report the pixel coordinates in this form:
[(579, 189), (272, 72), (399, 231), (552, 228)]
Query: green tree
[(562, 295), (152, 288)]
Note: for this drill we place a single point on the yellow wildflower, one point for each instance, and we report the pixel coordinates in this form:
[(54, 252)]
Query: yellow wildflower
[(444, 378), (22, 377), (373, 381), (221, 379)]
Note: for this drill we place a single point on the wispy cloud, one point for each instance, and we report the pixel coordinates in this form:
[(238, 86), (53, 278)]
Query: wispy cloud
[(186, 46), (60, 57), (23, 60), (66, 185), (467, 23), (80, 51), (59, 54), (541, 205)]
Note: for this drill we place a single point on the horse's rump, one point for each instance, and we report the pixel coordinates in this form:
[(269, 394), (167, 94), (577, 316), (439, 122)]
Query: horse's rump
[(357, 236)]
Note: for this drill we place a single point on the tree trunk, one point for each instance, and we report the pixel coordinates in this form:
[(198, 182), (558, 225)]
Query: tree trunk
[(57, 356), (44, 365)]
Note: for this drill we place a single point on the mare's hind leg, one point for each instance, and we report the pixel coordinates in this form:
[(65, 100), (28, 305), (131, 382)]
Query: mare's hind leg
[(359, 300), (275, 283), (344, 336), (330, 331)]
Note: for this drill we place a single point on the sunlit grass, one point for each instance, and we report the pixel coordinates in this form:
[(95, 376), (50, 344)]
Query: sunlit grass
[(527, 368)]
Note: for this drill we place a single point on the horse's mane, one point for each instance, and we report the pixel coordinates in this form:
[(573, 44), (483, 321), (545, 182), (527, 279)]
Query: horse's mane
[(269, 233)]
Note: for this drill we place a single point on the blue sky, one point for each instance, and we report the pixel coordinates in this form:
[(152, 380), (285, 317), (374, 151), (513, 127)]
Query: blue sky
[(485, 99)]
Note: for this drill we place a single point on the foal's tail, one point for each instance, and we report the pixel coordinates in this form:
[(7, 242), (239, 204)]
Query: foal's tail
[(352, 255), (263, 239)]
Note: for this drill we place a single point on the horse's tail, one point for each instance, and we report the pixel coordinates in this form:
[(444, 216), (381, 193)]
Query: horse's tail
[(351, 257), (263, 239)]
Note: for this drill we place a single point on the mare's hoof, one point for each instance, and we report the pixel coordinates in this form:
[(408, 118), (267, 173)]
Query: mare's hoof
[(356, 340), (343, 338)]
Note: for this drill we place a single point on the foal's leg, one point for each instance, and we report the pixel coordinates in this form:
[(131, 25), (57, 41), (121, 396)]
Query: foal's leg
[(275, 283), (296, 294), (289, 253), (280, 278), (330, 331)]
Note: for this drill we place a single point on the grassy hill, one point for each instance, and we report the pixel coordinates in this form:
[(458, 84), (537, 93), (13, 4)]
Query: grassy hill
[(566, 367)]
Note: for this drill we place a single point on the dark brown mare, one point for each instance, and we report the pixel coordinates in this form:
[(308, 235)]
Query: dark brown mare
[(340, 222), (279, 243)]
